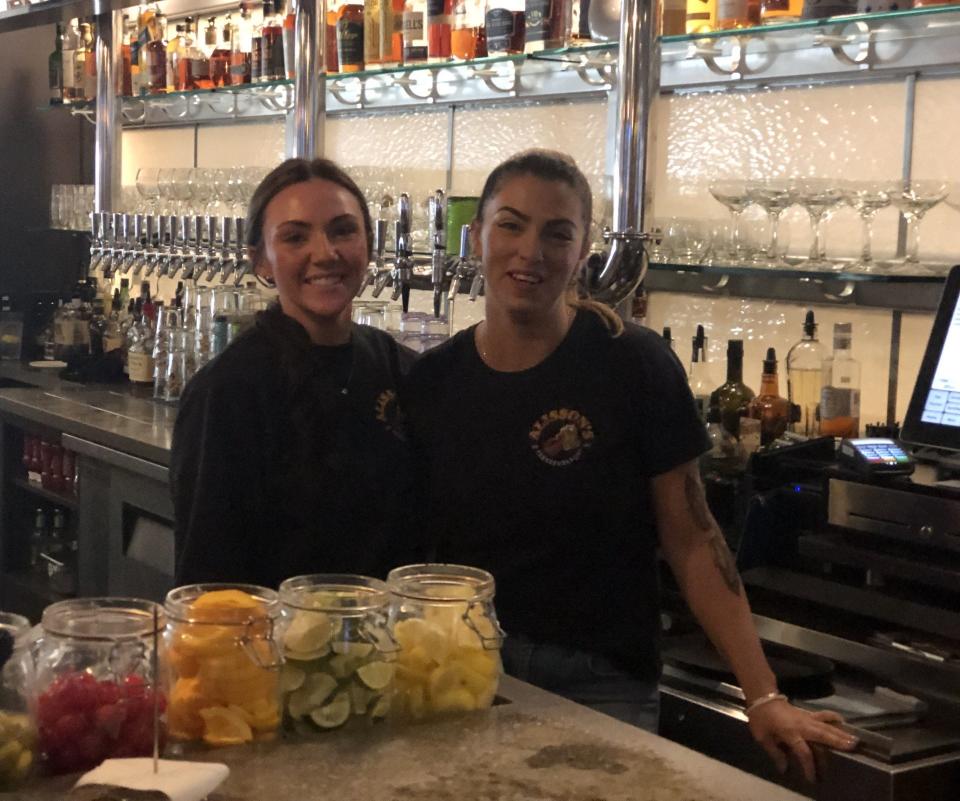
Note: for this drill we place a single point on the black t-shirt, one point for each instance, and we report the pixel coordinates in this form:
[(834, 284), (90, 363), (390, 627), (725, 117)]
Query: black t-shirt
[(543, 478), (290, 458)]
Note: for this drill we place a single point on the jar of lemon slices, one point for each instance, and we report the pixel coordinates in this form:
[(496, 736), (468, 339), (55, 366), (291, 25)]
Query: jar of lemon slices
[(224, 663), (338, 651), (449, 638)]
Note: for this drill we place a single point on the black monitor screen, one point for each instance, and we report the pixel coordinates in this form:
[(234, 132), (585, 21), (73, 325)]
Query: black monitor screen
[(934, 414)]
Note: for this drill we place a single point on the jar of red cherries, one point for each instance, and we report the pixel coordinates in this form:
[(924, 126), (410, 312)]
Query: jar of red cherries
[(96, 689)]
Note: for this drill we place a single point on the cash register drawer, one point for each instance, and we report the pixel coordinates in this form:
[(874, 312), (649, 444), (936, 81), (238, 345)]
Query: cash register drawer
[(899, 514)]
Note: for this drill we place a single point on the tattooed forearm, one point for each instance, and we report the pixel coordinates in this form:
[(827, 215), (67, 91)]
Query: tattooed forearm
[(723, 559), (697, 503), (700, 512)]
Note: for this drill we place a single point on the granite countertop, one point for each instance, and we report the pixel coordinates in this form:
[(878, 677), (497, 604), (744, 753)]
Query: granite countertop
[(112, 416), (538, 747)]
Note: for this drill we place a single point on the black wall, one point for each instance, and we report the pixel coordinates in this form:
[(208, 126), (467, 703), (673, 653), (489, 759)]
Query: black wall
[(39, 147)]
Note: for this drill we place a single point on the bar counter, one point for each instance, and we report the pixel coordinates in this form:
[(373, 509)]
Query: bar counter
[(537, 747), (115, 416)]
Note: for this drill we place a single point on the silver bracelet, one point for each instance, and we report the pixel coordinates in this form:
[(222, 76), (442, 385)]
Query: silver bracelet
[(765, 699)]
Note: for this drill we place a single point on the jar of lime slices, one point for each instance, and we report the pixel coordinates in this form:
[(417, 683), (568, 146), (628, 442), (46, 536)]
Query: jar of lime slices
[(18, 738), (338, 651), (449, 638), (224, 663)]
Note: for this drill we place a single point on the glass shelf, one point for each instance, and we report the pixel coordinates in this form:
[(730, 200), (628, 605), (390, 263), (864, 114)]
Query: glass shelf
[(794, 284), (853, 47)]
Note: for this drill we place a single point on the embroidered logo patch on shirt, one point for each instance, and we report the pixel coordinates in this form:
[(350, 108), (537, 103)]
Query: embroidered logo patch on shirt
[(389, 413), (559, 437)]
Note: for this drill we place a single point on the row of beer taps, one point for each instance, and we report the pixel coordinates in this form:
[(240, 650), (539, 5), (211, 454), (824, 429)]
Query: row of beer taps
[(446, 274), (205, 247), (171, 246)]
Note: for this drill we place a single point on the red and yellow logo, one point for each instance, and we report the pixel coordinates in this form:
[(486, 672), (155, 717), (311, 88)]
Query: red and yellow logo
[(560, 437)]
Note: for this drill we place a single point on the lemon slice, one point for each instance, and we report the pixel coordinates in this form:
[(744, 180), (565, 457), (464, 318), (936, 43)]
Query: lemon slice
[(360, 650), (376, 675), (224, 726), (308, 631), (306, 656), (381, 707), (333, 714), (319, 687)]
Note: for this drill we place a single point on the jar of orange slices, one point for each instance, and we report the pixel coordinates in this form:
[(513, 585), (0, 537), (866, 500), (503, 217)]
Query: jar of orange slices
[(224, 663)]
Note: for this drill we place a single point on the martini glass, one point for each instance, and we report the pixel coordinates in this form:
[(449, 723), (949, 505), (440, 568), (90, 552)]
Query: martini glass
[(735, 196), (915, 199), (820, 197), (867, 198), (774, 197)]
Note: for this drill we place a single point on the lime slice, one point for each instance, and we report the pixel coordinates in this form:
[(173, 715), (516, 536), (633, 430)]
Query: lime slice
[(291, 678), (376, 675), (318, 688), (297, 704), (333, 714), (308, 631), (381, 707), (359, 699), (307, 656)]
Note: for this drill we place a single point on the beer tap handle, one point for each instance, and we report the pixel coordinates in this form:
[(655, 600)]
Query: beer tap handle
[(212, 257), (239, 227), (477, 285), (95, 223), (117, 228), (198, 231), (184, 230), (225, 229)]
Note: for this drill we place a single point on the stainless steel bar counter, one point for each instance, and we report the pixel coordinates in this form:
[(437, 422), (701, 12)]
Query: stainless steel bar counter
[(538, 747)]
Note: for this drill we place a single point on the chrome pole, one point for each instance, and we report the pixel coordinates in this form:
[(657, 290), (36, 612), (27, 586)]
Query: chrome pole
[(638, 82), (309, 105), (108, 43)]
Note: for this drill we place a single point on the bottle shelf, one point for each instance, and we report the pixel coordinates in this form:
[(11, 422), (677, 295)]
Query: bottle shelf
[(52, 496), (877, 290), (853, 47)]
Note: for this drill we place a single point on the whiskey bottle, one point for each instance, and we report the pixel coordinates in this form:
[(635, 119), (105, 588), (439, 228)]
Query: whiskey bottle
[(768, 407), (415, 46), (240, 48), (804, 377), (774, 12), (674, 21), (505, 26), (350, 38), (176, 51), (391, 32), (154, 57), (55, 67), (256, 51), (733, 396), (439, 13), (72, 89), (372, 38), (289, 42), (330, 43), (463, 29), (546, 24), (840, 394), (271, 52), (89, 62), (220, 57), (126, 56), (701, 16)]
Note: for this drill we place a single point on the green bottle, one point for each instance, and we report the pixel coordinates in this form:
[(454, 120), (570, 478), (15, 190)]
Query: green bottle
[(732, 397)]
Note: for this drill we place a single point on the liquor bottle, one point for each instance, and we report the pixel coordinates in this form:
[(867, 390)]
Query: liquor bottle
[(126, 76), (176, 52), (289, 43), (140, 354), (372, 38), (415, 46), (72, 89), (804, 377), (330, 57), (38, 541), (97, 327), (113, 334), (732, 14), (700, 380), (55, 67), (840, 394), (733, 396), (138, 61), (725, 459), (220, 55), (194, 68), (154, 57), (674, 21), (505, 26), (667, 335), (773, 12), (439, 14), (391, 32), (128, 329), (547, 24), (350, 38), (772, 410), (580, 22), (240, 48), (89, 77), (256, 51), (463, 38), (124, 293), (271, 52)]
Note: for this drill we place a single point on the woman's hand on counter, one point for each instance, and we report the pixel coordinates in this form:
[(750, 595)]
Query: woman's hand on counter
[(783, 730)]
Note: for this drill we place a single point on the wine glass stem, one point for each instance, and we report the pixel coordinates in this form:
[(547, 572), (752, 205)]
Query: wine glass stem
[(735, 233), (913, 238), (866, 252), (818, 251), (774, 249)]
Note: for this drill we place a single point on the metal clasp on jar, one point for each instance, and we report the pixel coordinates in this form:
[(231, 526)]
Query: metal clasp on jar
[(489, 642), (260, 630)]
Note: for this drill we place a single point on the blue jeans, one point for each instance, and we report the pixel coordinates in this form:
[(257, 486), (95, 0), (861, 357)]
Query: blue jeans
[(586, 678)]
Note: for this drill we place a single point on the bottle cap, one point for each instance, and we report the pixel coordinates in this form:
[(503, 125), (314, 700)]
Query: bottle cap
[(810, 324), (770, 363), (667, 333), (734, 347), (842, 335)]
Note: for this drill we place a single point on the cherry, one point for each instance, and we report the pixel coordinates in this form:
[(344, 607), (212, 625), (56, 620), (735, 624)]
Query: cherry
[(109, 718)]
